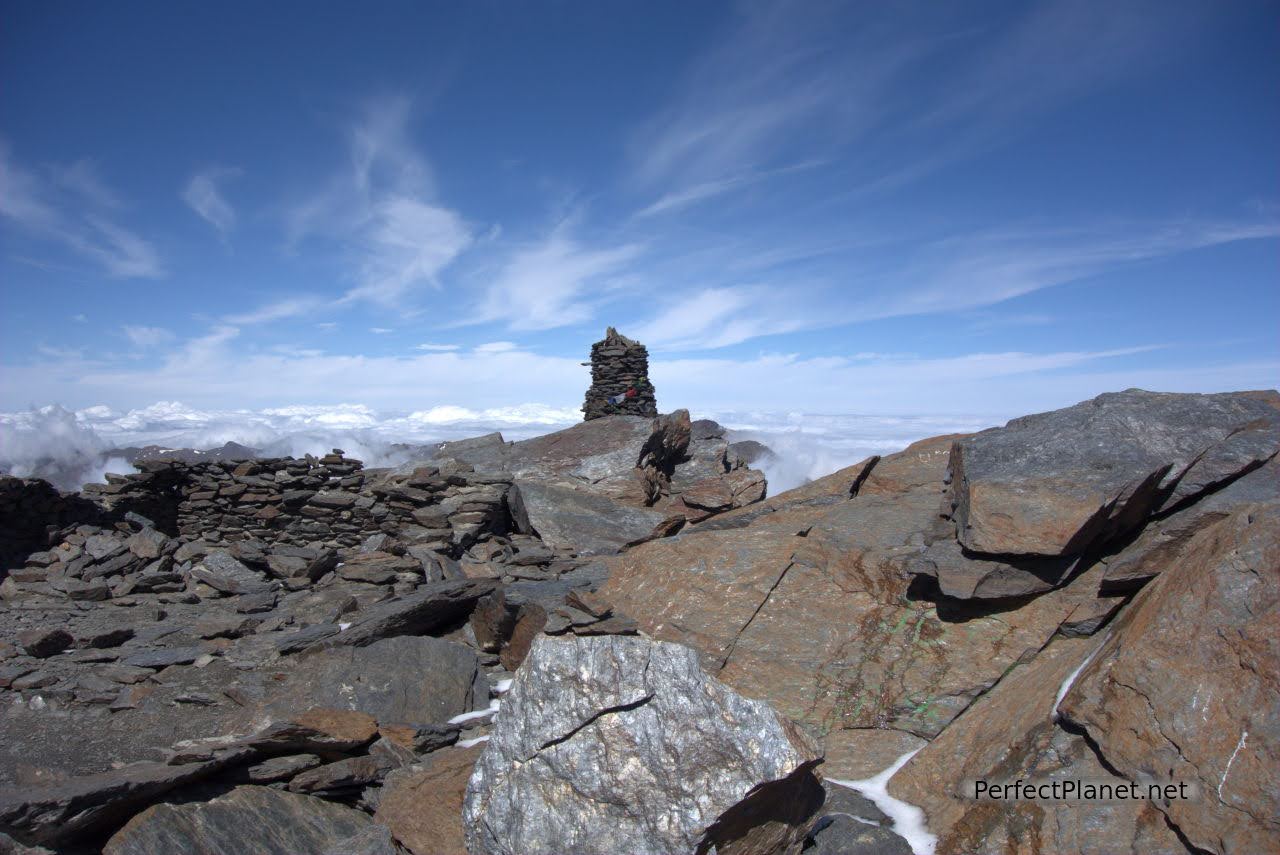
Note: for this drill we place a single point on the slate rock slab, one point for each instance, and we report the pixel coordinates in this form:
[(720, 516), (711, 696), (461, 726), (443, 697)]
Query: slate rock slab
[(261, 820), (422, 804), (588, 523), (430, 607), (405, 679), (78, 807), (1057, 483), (621, 744)]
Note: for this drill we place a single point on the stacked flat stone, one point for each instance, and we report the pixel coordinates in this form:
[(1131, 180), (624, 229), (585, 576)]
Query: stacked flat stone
[(303, 500), (618, 364)]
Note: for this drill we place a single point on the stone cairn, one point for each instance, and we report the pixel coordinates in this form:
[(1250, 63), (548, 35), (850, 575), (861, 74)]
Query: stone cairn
[(619, 367)]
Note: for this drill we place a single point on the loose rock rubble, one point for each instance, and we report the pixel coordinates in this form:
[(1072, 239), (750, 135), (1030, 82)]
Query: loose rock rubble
[(248, 636)]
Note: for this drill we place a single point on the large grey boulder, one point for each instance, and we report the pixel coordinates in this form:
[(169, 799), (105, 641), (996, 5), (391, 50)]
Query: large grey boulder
[(247, 819), (588, 523), (615, 744), (1059, 483)]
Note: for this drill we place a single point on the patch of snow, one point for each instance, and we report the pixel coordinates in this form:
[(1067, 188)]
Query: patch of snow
[(908, 820), (474, 714), (1071, 678), (342, 627), (502, 686), (37, 703), (467, 743), (1243, 736)]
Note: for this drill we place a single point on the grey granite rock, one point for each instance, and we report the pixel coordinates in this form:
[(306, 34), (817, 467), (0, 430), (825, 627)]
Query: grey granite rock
[(621, 744)]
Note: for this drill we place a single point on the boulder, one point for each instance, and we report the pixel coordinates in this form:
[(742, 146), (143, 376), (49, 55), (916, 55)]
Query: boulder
[(422, 804), (148, 543), (587, 523), (1059, 483), (812, 608), (269, 821), (1011, 734), (621, 744), (430, 607), (45, 642), (1187, 686)]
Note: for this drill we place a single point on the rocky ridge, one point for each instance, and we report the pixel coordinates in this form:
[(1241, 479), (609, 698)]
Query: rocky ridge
[(208, 629), (609, 639)]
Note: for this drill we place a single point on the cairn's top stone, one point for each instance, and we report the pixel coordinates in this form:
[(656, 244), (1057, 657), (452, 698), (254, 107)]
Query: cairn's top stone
[(619, 379)]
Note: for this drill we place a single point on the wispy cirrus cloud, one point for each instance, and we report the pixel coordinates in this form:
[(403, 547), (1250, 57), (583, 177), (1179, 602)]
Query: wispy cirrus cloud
[(555, 282), (382, 210), (277, 310), (203, 195), (147, 337), (891, 95), (74, 207), (963, 273), (723, 316)]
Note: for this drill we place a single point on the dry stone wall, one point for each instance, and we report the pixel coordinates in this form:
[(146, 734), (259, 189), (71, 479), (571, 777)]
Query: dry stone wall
[(302, 501)]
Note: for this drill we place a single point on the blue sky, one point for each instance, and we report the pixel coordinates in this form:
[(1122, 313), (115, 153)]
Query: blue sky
[(821, 207)]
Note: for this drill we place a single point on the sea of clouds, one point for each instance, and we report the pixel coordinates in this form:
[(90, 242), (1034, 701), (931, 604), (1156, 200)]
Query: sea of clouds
[(73, 447)]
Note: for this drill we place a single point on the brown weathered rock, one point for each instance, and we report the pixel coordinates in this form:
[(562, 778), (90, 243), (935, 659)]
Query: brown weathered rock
[(529, 623), (402, 679), (82, 806), (586, 522), (431, 606), (492, 621), (422, 804), (348, 726), (734, 489), (1008, 735), (821, 624), (1162, 542), (1187, 687), (341, 775)]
